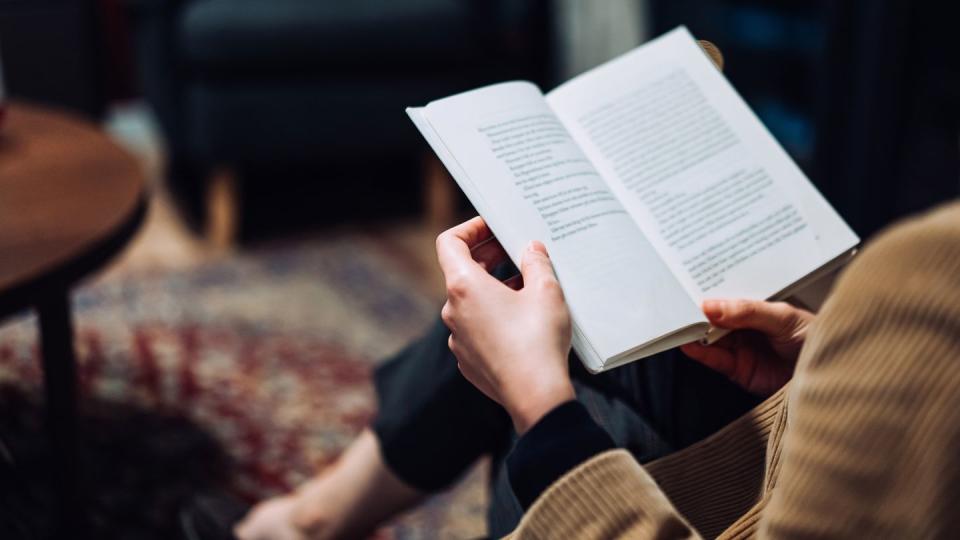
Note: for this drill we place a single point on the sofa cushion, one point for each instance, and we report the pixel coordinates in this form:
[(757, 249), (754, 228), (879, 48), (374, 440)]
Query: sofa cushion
[(250, 34)]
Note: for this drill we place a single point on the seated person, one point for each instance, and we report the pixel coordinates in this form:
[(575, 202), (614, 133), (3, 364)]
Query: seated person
[(433, 425), (868, 447)]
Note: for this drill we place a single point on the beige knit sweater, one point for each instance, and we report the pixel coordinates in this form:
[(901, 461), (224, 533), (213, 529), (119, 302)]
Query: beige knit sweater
[(869, 449)]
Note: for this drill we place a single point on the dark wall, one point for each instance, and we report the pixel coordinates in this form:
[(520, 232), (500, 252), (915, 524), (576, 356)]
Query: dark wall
[(864, 94), (772, 50), (889, 110), (50, 53)]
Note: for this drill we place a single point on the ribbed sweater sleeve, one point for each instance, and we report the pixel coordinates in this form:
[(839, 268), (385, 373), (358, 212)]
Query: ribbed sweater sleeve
[(561, 440), (871, 443)]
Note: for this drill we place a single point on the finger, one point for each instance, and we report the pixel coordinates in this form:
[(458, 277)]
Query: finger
[(716, 358), (465, 372), (475, 378), (245, 529), (771, 318), (712, 52), (747, 361), (472, 232), (489, 253), (460, 270), (454, 244), (536, 268), (446, 315), (729, 342), (514, 282)]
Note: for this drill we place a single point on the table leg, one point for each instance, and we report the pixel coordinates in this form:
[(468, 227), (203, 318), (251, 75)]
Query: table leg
[(60, 387)]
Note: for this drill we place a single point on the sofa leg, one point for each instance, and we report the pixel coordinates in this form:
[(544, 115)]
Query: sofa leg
[(440, 196), (223, 210), (186, 181)]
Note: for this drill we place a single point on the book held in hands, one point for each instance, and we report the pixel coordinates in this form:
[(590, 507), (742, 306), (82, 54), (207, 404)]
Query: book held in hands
[(653, 187)]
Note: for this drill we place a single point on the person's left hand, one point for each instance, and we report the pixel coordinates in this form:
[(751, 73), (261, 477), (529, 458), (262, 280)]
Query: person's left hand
[(511, 344), (761, 354)]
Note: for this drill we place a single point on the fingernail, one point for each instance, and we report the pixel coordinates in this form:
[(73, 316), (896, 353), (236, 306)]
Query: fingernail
[(713, 309), (537, 246)]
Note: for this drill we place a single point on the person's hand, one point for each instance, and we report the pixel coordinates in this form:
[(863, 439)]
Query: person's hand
[(511, 344), (761, 353)]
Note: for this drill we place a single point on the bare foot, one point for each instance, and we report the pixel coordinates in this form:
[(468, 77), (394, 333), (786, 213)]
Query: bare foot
[(271, 520), (352, 498)]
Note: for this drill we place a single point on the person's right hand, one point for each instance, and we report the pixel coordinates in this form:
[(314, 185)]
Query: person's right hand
[(761, 354)]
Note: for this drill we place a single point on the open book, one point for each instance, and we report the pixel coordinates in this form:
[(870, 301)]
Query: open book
[(653, 186)]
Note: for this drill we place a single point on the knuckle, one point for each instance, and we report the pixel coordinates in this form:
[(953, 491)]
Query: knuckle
[(787, 314), (457, 286), (782, 309), (455, 290), (442, 238), (550, 286), (743, 309), (447, 315)]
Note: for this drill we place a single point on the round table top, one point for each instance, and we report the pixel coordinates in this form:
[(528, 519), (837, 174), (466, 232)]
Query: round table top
[(70, 198)]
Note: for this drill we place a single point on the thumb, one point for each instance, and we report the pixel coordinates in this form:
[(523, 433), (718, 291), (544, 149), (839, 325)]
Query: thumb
[(536, 268), (771, 318)]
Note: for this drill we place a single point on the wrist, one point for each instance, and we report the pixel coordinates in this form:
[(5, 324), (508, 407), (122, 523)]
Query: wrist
[(537, 402)]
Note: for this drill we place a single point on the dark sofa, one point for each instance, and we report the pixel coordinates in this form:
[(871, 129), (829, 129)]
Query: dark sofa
[(254, 83)]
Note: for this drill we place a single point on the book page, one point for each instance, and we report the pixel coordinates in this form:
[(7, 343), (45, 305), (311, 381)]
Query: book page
[(713, 191), (530, 181)]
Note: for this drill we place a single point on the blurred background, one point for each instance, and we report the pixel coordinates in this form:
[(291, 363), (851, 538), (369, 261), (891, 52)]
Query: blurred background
[(287, 247)]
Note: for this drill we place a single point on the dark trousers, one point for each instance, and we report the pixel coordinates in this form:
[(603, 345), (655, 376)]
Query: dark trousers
[(433, 424)]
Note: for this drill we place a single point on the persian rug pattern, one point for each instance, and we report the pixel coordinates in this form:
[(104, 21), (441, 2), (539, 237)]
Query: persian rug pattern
[(270, 352)]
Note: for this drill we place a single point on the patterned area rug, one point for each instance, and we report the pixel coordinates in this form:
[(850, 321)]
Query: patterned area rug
[(267, 356)]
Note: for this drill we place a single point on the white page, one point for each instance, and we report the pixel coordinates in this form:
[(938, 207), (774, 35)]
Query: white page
[(581, 344), (713, 191), (534, 183)]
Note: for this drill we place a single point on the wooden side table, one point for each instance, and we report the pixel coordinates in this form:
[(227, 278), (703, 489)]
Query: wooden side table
[(69, 200)]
